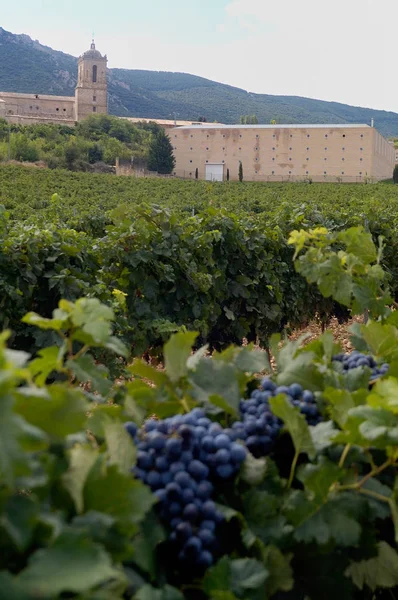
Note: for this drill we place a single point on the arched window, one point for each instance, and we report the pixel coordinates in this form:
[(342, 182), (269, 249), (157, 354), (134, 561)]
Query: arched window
[(95, 74)]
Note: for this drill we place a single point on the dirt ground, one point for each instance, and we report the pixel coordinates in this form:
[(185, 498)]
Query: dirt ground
[(340, 332)]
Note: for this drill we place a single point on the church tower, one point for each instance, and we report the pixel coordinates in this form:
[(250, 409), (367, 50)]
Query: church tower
[(91, 95)]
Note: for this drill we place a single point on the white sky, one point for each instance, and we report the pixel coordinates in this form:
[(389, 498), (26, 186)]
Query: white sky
[(343, 51)]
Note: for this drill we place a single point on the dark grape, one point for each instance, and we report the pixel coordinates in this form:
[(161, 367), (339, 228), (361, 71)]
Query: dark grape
[(356, 360), (183, 459)]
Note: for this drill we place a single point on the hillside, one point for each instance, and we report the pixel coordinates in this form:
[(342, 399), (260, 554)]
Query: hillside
[(27, 66)]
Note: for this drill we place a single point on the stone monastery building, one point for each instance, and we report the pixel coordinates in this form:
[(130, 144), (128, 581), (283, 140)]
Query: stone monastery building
[(346, 153), (91, 96)]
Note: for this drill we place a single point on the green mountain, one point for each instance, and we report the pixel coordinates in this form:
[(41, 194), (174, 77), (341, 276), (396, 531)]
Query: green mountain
[(28, 66)]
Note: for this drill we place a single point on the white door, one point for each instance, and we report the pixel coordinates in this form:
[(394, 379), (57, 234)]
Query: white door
[(215, 172)]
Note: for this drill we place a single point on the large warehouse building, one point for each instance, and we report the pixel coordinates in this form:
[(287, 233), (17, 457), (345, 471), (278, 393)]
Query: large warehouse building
[(346, 153)]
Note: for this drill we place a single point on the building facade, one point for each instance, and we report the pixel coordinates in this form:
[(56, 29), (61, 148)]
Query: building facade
[(90, 97), (346, 153)]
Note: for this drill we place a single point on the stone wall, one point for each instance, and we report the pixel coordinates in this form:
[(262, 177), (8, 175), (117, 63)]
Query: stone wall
[(283, 153)]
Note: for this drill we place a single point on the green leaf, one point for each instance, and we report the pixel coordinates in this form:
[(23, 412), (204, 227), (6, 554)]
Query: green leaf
[(262, 513), (102, 414), (382, 339), (385, 395), (120, 448), (81, 461), (19, 519), (378, 427), (17, 439), (214, 378), (166, 593), (51, 359), (251, 361), (151, 534), (85, 370), (281, 573), (118, 495), (322, 435), (11, 589), (72, 564), (378, 572), (61, 413), (341, 402), (176, 353), (36, 320), (318, 478), (360, 243), (253, 470), (295, 424), (237, 576), (142, 369), (300, 369), (117, 347), (335, 520)]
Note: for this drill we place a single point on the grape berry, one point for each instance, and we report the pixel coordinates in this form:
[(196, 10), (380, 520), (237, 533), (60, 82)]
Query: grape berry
[(180, 459), (185, 457), (357, 359)]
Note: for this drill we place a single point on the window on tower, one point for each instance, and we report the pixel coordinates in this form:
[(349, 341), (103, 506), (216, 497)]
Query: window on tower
[(94, 109), (95, 74)]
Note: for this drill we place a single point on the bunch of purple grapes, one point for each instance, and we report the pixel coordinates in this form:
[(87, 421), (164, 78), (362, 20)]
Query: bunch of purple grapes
[(181, 458), (356, 359), (259, 427)]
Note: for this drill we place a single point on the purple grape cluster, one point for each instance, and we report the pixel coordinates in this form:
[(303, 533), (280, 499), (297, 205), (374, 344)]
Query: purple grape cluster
[(181, 458), (259, 427), (356, 359)]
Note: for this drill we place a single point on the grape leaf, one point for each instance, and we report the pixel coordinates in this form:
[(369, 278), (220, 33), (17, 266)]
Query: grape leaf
[(11, 589), (216, 378), (295, 424), (72, 564), (61, 413), (385, 395), (150, 535), (17, 439), (238, 576), (49, 360), (378, 572), (382, 339), (85, 370), (166, 593), (120, 448), (336, 520), (322, 435), (254, 470), (281, 573), (19, 519), (118, 495), (176, 353), (81, 461)]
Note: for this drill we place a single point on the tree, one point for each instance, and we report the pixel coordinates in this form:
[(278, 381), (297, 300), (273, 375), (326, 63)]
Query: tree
[(248, 120), (161, 158), (395, 174), (240, 171), (196, 173), (95, 154), (227, 174)]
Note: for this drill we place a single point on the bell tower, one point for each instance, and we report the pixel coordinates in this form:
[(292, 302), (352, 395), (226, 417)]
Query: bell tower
[(91, 95)]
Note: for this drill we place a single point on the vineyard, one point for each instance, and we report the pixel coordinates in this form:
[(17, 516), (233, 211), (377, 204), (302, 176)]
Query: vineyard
[(244, 486), (169, 254)]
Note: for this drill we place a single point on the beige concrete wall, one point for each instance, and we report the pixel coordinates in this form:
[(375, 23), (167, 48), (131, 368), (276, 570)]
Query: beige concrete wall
[(35, 108), (383, 157), (281, 153)]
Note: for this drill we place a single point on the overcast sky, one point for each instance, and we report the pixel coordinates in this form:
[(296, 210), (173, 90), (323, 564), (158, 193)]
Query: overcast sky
[(345, 50)]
